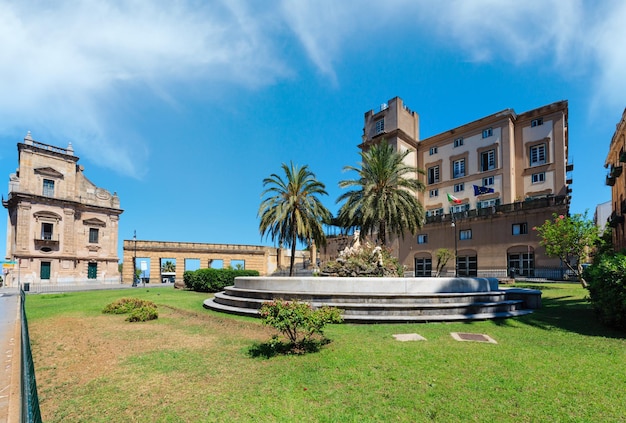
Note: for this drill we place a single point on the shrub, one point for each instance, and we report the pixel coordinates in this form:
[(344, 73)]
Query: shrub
[(607, 289), (213, 280), (139, 310), (298, 321)]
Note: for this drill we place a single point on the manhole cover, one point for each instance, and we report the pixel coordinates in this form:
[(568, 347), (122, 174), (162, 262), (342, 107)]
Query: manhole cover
[(409, 337), (475, 337)]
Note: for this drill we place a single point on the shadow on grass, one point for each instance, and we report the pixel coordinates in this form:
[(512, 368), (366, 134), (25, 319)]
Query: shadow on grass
[(571, 314), (276, 347)]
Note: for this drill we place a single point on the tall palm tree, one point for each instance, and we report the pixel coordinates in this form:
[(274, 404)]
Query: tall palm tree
[(384, 197), (291, 210)]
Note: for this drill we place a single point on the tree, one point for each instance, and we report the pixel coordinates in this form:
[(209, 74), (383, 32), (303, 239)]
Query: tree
[(384, 197), (168, 267), (291, 210), (570, 239), (443, 257)]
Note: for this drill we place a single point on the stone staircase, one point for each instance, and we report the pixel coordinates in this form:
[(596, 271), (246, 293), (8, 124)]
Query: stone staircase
[(377, 307)]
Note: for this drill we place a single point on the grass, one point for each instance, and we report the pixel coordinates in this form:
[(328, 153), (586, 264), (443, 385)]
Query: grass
[(194, 365)]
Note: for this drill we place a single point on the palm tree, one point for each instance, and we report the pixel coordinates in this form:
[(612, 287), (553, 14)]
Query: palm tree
[(168, 267), (291, 210), (384, 197)]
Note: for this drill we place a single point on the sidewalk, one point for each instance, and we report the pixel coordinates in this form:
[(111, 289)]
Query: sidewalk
[(10, 352)]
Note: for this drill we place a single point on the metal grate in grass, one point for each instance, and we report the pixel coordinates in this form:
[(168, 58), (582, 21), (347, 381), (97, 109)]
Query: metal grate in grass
[(473, 337), (408, 337)]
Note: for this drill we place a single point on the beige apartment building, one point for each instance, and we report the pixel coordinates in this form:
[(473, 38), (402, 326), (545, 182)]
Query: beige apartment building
[(488, 183), (62, 229), (616, 179)]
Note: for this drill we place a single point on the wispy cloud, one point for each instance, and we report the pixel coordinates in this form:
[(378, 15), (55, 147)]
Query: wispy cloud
[(64, 67)]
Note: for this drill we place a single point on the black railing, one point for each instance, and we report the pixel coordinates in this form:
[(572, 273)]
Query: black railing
[(30, 400)]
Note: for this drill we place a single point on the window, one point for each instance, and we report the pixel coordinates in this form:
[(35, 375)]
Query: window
[(434, 212), (467, 266), (488, 160), (459, 208), (465, 234), (538, 178), (434, 193), (433, 175), (522, 264), (520, 228), (423, 266), (459, 187), (487, 132), (458, 168), (44, 270), (380, 126), (536, 122), (422, 239), (458, 142), (488, 203), (46, 231), (538, 155), (48, 188), (433, 150), (93, 235), (92, 270), (488, 181)]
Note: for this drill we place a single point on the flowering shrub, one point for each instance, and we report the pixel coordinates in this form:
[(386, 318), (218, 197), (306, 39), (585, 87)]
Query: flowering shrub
[(568, 238), (298, 321)]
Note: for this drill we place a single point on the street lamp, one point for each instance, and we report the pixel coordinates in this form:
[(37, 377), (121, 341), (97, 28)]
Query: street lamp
[(456, 260), (135, 258)]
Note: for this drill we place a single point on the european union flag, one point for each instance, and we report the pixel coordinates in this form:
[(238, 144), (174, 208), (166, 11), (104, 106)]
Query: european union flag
[(482, 190)]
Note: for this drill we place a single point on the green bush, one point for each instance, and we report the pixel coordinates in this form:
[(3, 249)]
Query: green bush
[(607, 289), (139, 310), (213, 280), (298, 321)]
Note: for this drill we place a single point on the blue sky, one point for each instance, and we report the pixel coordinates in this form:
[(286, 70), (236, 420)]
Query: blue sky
[(182, 108)]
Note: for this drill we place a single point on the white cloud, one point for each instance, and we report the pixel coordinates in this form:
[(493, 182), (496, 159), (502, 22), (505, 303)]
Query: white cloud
[(63, 67), (66, 68)]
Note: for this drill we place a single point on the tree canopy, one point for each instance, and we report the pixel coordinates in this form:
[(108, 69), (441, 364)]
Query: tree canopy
[(569, 238), (383, 199), (290, 209)]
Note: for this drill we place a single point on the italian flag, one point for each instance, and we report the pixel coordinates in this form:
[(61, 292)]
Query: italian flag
[(453, 199)]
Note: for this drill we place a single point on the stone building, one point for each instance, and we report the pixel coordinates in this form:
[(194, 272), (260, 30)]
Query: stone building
[(615, 178), (62, 229), (488, 183)]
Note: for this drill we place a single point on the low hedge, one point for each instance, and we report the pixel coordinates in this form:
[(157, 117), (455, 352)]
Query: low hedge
[(213, 280)]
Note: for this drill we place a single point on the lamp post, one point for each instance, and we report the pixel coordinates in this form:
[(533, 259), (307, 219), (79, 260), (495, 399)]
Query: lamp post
[(456, 260), (135, 258)]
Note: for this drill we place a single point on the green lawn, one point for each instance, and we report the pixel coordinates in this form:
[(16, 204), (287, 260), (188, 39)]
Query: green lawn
[(193, 365)]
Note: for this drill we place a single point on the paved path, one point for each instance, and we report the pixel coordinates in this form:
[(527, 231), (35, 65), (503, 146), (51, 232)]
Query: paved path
[(10, 353)]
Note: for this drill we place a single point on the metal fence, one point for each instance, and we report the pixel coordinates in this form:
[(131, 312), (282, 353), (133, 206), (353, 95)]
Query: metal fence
[(30, 401), (534, 274)]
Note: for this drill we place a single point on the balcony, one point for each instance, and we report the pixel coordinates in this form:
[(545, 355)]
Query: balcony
[(610, 180), (46, 240), (616, 171), (530, 204), (615, 220)]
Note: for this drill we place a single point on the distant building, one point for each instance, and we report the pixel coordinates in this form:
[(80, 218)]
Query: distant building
[(616, 179), (488, 183), (601, 215), (62, 229)]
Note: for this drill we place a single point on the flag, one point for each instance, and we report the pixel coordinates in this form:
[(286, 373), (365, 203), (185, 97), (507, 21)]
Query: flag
[(482, 190), (453, 199)]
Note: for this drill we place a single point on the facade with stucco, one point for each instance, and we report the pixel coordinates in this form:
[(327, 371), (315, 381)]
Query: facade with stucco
[(487, 184), (62, 228)]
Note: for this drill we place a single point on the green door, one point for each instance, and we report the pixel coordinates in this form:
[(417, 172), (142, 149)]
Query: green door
[(45, 270), (92, 271)]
